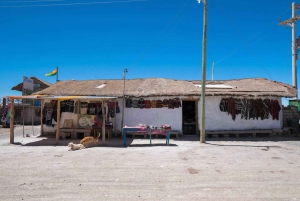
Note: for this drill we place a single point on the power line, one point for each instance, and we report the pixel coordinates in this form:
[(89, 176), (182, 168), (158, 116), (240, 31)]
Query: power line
[(30, 1), (144, 53), (243, 46), (73, 4), (253, 53)]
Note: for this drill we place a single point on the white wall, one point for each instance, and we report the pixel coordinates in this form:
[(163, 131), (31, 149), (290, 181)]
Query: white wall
[(152, 116), (217, 120)]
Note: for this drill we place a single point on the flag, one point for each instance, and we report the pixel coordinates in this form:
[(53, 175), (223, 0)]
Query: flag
[(52, 73)]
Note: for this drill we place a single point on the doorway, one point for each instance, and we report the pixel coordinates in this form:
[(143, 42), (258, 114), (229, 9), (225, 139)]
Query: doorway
[(189, 118)]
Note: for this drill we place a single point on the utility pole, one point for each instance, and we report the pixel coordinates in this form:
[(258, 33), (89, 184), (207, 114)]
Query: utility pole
[(292, 22), (123, 105), (202, 132), (212, 71)]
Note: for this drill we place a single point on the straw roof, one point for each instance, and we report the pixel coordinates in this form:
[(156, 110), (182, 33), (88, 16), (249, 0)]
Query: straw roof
[(168, 87), (43, 85)]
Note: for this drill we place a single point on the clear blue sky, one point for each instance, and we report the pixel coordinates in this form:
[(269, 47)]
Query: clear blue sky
[(151, 38)]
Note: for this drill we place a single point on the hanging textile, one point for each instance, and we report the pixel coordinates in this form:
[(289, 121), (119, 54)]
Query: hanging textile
[(177, 103), (223, 105), (238, 106), (128, 103), (231, 108), (266, 108), (245, 108), (275, 109)]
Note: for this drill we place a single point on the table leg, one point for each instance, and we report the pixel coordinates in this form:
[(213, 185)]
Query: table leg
[(124, 138)]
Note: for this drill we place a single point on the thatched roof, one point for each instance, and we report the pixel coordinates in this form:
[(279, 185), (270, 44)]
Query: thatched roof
[(43, 85), (167, 87)]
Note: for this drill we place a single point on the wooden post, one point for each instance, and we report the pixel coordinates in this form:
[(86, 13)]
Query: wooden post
[(58, 122), (42, 107), (103, 122), (12, 119), (115, 119)]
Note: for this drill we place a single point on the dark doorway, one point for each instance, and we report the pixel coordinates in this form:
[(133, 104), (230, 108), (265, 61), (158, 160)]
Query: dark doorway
[(189, 119)]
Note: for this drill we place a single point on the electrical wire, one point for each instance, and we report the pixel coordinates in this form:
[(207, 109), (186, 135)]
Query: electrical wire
[(243, 46), (247, 45), (74, 4), (144, 53), (38, 1)]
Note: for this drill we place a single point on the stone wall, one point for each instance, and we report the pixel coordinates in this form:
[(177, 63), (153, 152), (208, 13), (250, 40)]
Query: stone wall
[(291, 117)]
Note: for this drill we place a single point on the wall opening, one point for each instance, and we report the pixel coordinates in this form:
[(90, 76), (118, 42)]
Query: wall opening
[(189, 118)]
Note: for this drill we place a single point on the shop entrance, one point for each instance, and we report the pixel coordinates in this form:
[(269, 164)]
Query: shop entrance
[(189, 117)]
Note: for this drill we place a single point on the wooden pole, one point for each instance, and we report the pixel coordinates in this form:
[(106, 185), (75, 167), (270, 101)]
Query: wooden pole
[(202, 137), (42, 107), (58, 122), (103, 122), (115, 119), (12, 119)]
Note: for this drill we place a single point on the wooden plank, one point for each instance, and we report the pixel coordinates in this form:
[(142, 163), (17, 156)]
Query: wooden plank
[(103, 122), (42, 127), (115, 119), (12, 118), (58, 122)]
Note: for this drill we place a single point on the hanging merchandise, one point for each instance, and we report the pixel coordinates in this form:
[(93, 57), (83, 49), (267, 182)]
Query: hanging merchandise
[(266, 108), (49, 116), (165, 103), (231, 108), (83, 107), (244, 108), (223, 105), (128, 103), (159, 104), (6, 114), (260, 109), (135, 103), (252, 108), (275, 109), (91, 108), (238, 106), (141, 103), (170, 104), (147, 104), (176, 103), (153, 103)]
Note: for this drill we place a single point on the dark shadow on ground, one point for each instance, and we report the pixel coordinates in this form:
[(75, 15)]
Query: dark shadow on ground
[(153, 145), (259, 138), (240, 145)]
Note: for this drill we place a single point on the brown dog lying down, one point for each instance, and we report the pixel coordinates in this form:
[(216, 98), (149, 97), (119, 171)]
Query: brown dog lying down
[(86, 141), (74, 147)]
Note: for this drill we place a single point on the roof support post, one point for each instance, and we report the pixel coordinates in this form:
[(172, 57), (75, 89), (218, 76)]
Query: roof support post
[(115, 118), (12, 119), (42, 106), (58, 122), (103, 122), (202, 133)]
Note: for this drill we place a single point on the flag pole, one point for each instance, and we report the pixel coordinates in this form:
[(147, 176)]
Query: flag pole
[(56, 73)]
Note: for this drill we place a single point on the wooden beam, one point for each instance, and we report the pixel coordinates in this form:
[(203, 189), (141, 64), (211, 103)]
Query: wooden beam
[(58, 122), (115, 119), (42, 107), (12, 119), (290, 20), (103, 122)]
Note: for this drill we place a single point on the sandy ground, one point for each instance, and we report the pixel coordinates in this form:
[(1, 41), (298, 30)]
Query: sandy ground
[(34, 168)]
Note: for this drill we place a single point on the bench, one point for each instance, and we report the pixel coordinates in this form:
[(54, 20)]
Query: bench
[(238, 133), (75, 131)]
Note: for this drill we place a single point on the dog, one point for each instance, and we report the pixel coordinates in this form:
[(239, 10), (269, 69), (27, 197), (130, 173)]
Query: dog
[(63, 135), (86, 141), (74, 147)]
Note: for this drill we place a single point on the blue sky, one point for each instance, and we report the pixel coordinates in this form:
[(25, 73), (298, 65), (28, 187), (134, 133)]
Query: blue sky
[(151, 38)]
